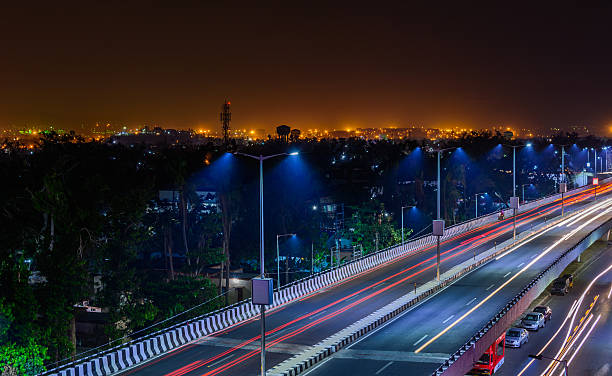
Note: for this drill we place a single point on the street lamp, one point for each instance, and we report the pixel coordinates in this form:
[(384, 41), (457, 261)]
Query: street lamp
[(405, 207), (588, 160), (523, 191), (514, 199), (476, 208), (438, 224), (262, 158), (278, 259), (540, 357), (514, 164)]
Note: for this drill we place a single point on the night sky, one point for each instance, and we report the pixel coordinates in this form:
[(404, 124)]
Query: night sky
[(306, 66)]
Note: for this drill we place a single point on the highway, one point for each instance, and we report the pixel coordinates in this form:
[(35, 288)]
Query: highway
[(595, 331), (294, 327), (422, 338)]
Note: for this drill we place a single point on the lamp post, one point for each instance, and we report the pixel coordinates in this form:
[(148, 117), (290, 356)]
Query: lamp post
[(563, 361), (476, 208), (262, 158), (523, 191), (563, 183), (438, 224), (404, 207), (514, 164), (278, 259), (588, 162), (514, 199)]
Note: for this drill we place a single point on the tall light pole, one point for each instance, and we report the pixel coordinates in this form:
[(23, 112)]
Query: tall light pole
[(523, 191), (514, 165), (262, 158), (405, 207), (563, 183), (476, 208), (438, 224), (278, 259), (514, 200), (588, 162)]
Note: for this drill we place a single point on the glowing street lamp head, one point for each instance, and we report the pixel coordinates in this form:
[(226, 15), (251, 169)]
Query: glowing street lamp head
[(294, 153), (528, 144)]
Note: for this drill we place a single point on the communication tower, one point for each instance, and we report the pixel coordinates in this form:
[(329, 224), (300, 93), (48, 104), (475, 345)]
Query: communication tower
[(225, 117)]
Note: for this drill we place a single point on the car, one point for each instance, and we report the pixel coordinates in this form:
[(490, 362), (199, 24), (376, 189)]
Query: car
[(545, 310), (533, 321), (515, 337), (561, 285), (570, 278)]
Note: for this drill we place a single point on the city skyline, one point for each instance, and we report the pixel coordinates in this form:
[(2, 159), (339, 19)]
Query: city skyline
[(309, 67)]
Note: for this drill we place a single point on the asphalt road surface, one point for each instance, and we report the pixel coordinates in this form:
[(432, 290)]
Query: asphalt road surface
[(594, 357), (293, 327), (420, 340)]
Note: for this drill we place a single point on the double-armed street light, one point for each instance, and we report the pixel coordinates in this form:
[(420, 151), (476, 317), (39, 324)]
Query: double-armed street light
[(262, 158), (438, 224), (278, 285), (563, 183), (514, 204), (405, 207)]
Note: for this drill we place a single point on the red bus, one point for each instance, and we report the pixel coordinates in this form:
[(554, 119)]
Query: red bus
[(492, 359)]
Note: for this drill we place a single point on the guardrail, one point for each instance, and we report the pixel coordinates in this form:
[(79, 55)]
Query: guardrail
[(463, 359), (126, 355)]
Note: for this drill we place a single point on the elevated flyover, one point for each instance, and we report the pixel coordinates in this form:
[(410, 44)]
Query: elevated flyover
[(227, 342), (448, 333)]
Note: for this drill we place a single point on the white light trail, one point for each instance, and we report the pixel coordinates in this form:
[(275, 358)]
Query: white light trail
[(541, 255), (569, 314), (583, 340)]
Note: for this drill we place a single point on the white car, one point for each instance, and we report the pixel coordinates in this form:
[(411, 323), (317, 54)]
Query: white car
[(533, 321), (515, 337)]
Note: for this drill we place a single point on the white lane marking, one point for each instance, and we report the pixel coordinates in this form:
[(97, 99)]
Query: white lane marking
[(507, 274), (470, 302), (490, 287), (450, 317), (222, 360), (316, 314), (383, 368), (419, 341), (521, 264)]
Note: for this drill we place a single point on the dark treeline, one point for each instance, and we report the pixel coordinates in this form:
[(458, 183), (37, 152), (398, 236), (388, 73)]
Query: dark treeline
[(84, 220)]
